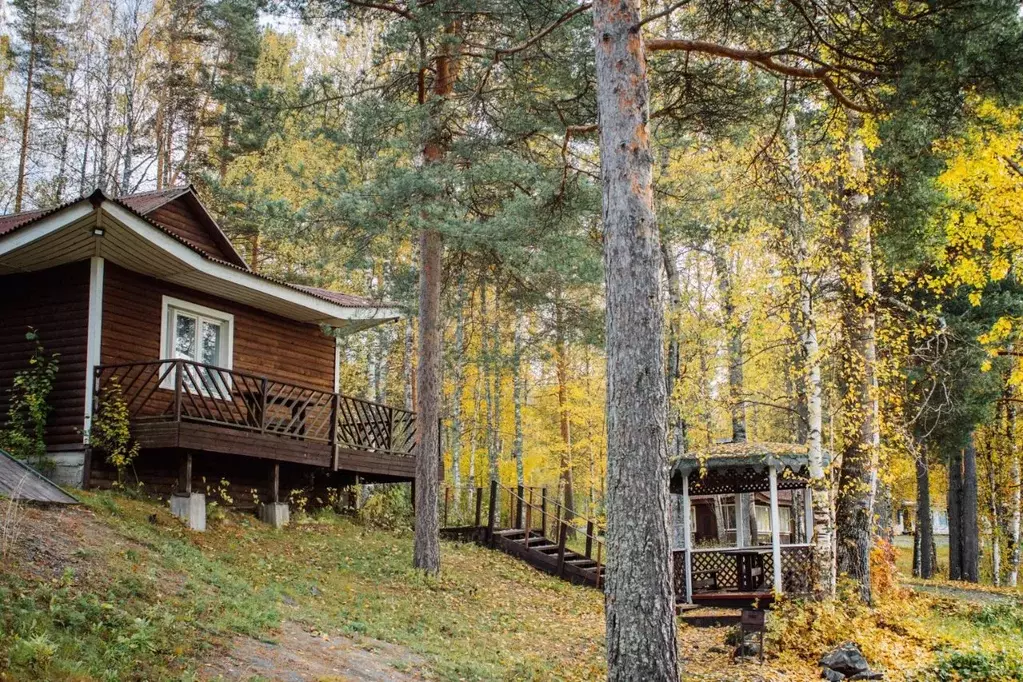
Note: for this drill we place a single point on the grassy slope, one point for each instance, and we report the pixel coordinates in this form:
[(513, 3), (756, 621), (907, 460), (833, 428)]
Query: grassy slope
[(120, 597)]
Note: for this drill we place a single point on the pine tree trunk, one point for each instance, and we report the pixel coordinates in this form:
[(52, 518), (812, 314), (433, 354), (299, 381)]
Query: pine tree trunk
[(407, 366), (858, 481), (488, 387), (971, 527), (426, 548), (924, 525), (519, 390), (26, 117), (820, 486), (640, 605)]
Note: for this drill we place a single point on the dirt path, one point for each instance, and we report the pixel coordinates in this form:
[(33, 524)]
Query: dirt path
[(298, 655), (977, 596)]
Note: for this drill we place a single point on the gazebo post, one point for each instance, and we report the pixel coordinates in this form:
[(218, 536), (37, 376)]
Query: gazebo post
[(742, 538), (808, 513), (775, 530), (688, 537)]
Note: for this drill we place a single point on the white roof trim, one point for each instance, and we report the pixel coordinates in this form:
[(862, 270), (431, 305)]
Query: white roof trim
[(48, 225), (330, 312)]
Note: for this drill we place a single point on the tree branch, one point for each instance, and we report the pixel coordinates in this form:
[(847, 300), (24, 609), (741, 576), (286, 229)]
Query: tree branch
[(765, 60)]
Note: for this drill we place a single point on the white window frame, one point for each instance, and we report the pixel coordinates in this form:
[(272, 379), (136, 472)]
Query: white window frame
[(171, 305)]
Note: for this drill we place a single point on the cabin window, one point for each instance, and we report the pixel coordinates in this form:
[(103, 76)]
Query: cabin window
[(764, 523), (201, 335)]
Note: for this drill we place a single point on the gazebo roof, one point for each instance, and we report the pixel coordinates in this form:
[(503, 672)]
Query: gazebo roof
[(751, 455)]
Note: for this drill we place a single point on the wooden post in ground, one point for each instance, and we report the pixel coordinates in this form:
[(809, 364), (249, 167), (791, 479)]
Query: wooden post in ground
[(562, 538), (447, 503), (492, 512), (185, 474), (521, 492), (599, 557), (275, 483), (589, 538), (529, 522), (543, 512), (479, 507)]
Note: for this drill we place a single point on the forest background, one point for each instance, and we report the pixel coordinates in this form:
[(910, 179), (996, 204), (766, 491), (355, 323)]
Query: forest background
[(301, 128)]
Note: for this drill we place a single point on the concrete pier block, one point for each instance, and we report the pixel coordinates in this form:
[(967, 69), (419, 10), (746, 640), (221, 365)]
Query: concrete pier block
[(191, 509), (274, 513)]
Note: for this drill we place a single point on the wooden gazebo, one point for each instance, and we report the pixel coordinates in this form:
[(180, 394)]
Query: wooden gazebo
[(747, 570)]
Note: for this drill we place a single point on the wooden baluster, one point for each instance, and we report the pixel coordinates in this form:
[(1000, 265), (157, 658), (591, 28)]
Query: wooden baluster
[(334, 415), (479, 507), (529, 505), (562, 539), (589, 538), (177, 390), (263, 390)]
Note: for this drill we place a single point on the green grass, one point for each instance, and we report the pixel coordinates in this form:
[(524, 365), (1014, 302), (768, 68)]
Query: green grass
[(160, 598)]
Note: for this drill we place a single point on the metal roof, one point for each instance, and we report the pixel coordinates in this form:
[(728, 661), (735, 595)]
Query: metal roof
[(748, 454), (19, 481)]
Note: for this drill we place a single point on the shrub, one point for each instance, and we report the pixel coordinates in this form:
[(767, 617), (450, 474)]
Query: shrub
[(388, 507), (979, 666), (110, 431), (24, 435)]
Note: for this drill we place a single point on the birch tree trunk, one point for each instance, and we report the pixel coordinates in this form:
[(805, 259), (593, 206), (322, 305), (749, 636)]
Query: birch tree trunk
[(820, 487), (1016, 467), (518, 397), (858, 481), (640, 605)]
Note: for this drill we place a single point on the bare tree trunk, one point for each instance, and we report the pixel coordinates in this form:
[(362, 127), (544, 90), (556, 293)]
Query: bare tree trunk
[(519, 390), (736, 380), (561, 358), (1016, 467), (955, 515), (639, 600), (426, 549), (971, 527), (673, 371), (488, 387), (459, 392), (858, 482), (26, 117), (924, 523), (996, 527)]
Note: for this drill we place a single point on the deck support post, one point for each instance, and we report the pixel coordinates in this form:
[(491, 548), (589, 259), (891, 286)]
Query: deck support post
[(491, 513), (689, 538), (185, 474), (775, 531), (275, 482), (808, 514), (188, 506)]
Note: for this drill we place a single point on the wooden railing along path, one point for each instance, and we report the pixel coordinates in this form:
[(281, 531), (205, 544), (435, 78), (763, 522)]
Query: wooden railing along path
[(529, 524), (186, 391)]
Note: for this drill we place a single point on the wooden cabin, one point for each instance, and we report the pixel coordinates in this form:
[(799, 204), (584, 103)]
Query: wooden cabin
[(228, 374), (761, 490)]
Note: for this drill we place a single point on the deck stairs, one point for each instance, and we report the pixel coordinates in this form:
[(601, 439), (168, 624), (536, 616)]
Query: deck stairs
[(546, 555)]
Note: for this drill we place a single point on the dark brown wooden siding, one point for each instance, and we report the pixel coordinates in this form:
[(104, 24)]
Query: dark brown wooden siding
[(56, 303), (176, 217), (264, 344)]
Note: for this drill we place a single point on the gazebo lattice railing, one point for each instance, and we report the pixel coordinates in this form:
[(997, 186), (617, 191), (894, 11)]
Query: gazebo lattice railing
[(747, 571)]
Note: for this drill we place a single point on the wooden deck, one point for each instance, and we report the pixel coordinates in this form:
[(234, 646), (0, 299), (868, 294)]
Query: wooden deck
[(177, 404)]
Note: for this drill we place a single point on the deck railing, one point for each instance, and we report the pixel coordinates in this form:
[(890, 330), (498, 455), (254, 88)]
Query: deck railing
[(182, 390), (717, 570)]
